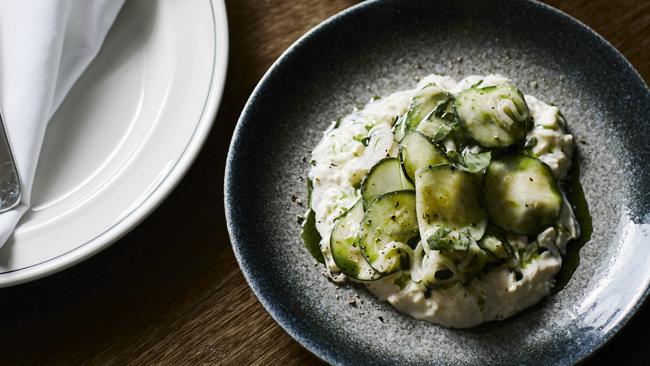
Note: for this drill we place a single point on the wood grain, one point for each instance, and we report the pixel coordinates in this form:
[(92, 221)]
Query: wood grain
[(171, 291)]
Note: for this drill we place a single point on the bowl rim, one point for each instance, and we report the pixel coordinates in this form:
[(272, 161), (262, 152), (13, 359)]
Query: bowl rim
[(169, 181), (230, 212)]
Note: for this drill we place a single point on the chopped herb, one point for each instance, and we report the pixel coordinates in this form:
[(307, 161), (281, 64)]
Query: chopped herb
[(311, 237), (441, 133), (446, 239), (362, 139), (470, 162)]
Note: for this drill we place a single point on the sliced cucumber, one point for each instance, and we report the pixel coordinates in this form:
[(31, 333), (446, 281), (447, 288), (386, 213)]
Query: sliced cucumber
[(428, 101), (495, 116), (521, 194), (389, 224), (344, 245), (386, 176), (416, 151), (448, 209), (435, 129), (426, 104), (438, 124)]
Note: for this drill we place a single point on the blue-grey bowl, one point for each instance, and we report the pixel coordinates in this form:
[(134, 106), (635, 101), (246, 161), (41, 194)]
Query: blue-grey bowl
[(381, 46)]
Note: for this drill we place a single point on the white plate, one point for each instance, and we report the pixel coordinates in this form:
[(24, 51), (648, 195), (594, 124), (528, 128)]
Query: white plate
[(124, 136)]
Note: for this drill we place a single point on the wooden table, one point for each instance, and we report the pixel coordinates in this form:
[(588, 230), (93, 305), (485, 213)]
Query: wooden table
[(171, 291)]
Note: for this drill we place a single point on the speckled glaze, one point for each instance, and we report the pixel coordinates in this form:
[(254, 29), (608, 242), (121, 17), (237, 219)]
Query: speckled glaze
[(382, 46)]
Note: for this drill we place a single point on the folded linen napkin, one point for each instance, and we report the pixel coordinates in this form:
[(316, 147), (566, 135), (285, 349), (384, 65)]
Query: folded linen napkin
[(45, 45)]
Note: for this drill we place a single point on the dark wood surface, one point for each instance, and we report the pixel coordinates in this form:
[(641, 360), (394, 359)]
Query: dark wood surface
[(171, 292)]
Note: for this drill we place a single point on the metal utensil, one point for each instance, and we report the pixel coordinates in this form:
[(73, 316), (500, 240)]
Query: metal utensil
[(9, 180)]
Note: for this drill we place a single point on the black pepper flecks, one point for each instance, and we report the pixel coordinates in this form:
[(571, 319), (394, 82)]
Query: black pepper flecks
[(352, 302)]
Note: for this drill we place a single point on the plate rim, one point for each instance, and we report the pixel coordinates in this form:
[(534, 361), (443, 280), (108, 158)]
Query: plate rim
[(230, 211), (180, 167)]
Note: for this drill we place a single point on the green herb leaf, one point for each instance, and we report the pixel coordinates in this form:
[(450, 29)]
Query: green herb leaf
[(475, 163), (446, 239), (402, 280), (477, 84), (362, 139), (311, 237), (470, 162), (441, 133)]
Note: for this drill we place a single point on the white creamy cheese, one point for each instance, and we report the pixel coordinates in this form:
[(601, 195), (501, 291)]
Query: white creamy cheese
[(341, 160), (554, 146)]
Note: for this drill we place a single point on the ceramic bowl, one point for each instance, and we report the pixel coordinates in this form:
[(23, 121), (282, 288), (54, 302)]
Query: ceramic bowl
[(379, 47)]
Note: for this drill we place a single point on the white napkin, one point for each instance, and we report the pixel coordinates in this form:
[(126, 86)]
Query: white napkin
[(45, 45)]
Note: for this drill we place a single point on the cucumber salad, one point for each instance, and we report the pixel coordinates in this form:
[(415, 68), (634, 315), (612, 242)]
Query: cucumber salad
[(445, 200)]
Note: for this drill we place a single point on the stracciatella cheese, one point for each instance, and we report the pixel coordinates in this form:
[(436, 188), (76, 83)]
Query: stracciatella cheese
[(352, 146)]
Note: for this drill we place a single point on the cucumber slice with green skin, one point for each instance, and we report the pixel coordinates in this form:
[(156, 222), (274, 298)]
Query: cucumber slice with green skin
[(448, 208), (428, 101), (521, 194), (435, 129), (495, 116), (388, 224), (432, 102), (440, 122), (344, 245), (386, 176), (416, 151)]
